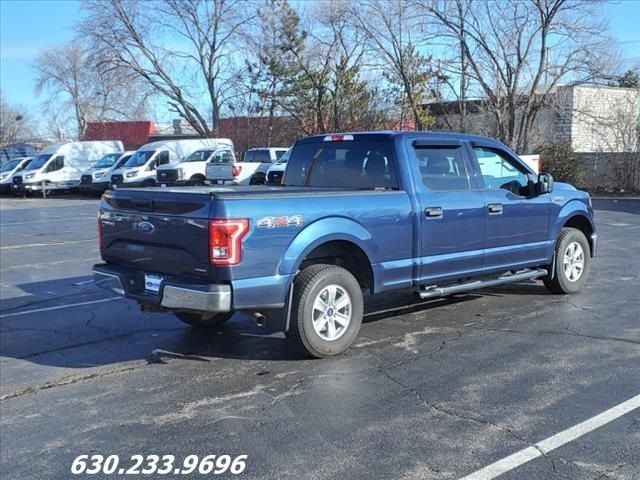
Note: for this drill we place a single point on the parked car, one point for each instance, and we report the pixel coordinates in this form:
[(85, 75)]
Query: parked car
[(96, 179), (192, 169), (60, 166), (251, 171), (140, 169), (9, 169), (275, 173), (360, 213)]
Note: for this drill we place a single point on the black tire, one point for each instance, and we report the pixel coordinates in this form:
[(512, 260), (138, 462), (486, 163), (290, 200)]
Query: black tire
[(203, 320), (308, 286), (561, 282), (196, 181), (259, 180)]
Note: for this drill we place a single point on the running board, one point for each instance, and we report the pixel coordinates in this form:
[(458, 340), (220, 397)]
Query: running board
[(435, 291)]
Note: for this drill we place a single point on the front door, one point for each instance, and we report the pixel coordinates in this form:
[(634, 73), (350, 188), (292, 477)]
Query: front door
[(516, 218), (452, 215)]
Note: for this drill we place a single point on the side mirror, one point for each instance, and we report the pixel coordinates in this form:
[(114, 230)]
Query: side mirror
[(545, 183)]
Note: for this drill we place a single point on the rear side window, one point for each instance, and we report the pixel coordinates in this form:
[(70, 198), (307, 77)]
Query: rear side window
[(442, 168), (362, 165)]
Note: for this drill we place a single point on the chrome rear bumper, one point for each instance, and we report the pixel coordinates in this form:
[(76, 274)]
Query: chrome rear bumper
[(171, 295)]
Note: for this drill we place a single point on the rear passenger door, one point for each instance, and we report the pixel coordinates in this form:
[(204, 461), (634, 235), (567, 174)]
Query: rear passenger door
[(516, 217), (452, 212)]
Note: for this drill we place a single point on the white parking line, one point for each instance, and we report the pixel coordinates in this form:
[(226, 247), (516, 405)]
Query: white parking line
[(31, 245), (58, 307), (549, 444)]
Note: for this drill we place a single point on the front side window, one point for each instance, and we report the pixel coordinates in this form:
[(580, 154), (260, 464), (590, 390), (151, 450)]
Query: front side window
[(499, 171), (56, 164), (442, 168), (199, 156), (163, 158), (354, 164)]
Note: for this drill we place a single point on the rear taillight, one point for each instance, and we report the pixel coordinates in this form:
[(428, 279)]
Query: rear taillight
[(225, 240), (235, 170)]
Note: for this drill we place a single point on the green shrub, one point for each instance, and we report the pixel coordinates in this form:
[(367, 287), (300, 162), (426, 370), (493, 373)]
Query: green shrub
[(563, 163)]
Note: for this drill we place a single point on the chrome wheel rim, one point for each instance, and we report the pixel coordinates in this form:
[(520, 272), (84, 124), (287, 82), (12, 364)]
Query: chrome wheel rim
[(332, 311), (573, 262)]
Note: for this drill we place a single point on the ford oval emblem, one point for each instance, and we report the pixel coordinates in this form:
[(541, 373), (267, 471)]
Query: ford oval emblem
[(145, 227)]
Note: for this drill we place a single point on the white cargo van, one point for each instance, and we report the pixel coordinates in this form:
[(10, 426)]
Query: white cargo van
[(96, 179), (60, 166), (251, 171), (9, 170), (192, 169), (140, 169)]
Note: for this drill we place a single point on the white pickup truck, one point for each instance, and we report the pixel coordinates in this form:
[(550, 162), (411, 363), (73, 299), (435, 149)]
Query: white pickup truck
[(251, 171)]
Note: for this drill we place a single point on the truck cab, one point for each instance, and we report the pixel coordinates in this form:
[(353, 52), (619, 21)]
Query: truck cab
[(96, 179)]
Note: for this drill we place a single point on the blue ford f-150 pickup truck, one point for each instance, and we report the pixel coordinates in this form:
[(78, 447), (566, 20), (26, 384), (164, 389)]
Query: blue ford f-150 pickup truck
[(357, 214)]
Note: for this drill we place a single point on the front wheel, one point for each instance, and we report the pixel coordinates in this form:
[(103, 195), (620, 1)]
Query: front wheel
[(327, 310), (572, 262), (203, 320)]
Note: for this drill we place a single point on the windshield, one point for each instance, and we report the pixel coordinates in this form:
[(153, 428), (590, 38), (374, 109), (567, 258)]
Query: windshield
[(123, 160), (199, 156), (284, 158), (107, 161), (350, 164), (10, 165), (39, 161), (139, 158)]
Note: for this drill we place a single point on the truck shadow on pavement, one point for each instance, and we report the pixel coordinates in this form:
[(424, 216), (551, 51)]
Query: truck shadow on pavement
[(92, 332)]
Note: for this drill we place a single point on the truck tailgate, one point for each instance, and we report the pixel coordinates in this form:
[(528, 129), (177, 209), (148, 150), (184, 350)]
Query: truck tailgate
[(219, 171), (166, 234)]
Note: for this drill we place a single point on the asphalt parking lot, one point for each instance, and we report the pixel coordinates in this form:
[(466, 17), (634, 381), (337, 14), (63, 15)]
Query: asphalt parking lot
[(431, 390)]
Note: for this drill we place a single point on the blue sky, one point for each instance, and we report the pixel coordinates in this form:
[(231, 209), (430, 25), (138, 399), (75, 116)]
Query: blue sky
[(28, 26)]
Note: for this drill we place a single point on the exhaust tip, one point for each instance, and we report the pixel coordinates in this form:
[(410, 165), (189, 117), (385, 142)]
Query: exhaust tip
[(260, 319)]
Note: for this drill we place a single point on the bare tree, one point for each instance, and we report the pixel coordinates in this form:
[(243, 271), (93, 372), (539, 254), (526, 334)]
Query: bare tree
[(396, 42), (183, 49), (14, 122), (518, 58), (75, 79)]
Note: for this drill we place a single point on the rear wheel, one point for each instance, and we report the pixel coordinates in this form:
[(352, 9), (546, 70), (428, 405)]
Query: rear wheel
[(197, 181), (258, 180), (326, 312), (204, 320), (572, 262)]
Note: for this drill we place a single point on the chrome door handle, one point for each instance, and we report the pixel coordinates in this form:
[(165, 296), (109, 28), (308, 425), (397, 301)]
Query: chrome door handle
[(495, 208), (433, 212)]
